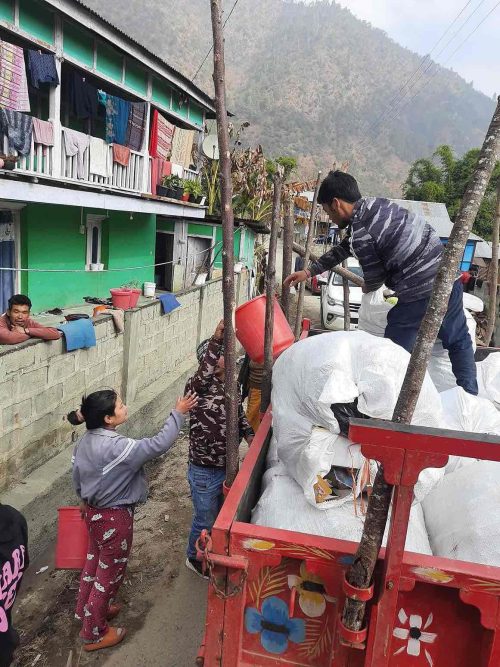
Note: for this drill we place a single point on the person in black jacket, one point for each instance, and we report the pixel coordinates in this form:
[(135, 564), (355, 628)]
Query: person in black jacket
[(13, 563)]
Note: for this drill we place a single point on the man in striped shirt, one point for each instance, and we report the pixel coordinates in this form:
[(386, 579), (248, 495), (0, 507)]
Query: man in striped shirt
[(401, 250)]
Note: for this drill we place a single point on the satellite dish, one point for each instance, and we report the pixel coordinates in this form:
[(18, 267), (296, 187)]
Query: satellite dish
[(210, 147)]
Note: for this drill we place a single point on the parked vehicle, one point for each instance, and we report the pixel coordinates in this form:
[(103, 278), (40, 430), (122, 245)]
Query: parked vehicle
[(315, 283), (332, 299), (422, 611)]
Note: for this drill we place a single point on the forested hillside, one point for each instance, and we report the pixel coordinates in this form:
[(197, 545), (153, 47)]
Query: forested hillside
[(311, 79)]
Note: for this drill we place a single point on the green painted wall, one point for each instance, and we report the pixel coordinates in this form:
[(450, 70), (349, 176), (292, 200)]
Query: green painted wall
[(36, 19), (78, 43), (109, 61), (195, 113), (136, 77), (7, 10), (180, 109), (200, 230), (50, 238), (164, 225), (161, 93), (218, 248)]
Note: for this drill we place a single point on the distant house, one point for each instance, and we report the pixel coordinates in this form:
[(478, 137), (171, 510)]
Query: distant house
[(437, 216), (80, 196)]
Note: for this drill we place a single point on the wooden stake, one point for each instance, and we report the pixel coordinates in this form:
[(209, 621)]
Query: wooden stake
[(493, 277), (231, 386), (270, 289), (309, 240), (287, 254), (345, 273), (361, 571), (346, 295)]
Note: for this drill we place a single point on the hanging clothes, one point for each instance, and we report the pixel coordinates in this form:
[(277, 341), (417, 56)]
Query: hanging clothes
[(82, 96), (42, 68), (76, 143), (43, 132), (136, 125), (121, 155), (159, 169), (98, 160), (18, 128), (13, 81), (7, 258), (117, 113), (182, 147), (177, 170), (162, 131)]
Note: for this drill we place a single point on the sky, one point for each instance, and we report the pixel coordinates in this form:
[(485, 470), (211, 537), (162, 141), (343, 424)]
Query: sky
[(419, 24)]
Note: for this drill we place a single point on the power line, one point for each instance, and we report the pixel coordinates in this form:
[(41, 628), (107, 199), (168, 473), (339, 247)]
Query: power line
[(387, 113), (212, 48)]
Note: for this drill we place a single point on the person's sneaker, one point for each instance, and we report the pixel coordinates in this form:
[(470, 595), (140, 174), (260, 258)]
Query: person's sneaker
[(196, 567)]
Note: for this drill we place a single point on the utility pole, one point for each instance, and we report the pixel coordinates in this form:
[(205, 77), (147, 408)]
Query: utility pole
[(360, 573), (270, 288), (230, 383), (493, 277)]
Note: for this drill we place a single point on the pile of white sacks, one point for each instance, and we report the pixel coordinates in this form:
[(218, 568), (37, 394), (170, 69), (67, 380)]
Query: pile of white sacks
[(456, 510)]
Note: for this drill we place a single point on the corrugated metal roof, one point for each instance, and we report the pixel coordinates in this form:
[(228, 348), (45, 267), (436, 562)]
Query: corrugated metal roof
[(484, 249), (208, 100), (435, 214)]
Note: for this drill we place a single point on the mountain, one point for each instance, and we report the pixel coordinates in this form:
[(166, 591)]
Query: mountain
[(312, 80)]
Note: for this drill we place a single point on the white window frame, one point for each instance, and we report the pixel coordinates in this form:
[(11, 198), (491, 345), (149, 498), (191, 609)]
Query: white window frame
[(93, 221)]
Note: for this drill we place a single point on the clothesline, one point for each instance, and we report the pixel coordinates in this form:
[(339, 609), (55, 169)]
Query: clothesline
[(127, 268)]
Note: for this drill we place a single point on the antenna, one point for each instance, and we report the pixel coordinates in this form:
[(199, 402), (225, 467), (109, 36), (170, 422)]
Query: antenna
[(210, 147)]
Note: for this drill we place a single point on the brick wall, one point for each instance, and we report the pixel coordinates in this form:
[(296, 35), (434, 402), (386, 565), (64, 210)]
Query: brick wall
[(40, 383)]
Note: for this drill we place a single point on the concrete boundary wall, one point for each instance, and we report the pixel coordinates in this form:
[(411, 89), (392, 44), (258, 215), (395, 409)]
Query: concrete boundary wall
[(148, 364)]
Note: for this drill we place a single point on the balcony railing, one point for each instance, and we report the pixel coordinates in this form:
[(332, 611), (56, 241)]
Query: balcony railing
[(39, 160)]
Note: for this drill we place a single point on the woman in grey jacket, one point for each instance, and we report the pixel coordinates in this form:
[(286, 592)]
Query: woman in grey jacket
[(109, 479)]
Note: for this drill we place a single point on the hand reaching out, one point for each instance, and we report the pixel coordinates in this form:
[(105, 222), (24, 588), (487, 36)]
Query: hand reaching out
[(295, 278), (219, 332), (187, 402)]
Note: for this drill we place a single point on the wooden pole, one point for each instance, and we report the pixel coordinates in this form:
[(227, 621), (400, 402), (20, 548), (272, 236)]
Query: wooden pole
[(309, 240), (230, 384), (493, 277), (361, 571), (270, 289), (345, 273), (346, 295), (287, 255)]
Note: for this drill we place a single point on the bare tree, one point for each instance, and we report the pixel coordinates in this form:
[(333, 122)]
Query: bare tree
[(309, 240), (230, 384), (287, 253), (270, 289), (345, 273), (361, 571), (493, 277)]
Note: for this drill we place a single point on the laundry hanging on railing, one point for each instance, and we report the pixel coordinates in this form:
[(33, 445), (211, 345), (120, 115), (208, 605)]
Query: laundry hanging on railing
[(43, 133), (42, 68), (159, 169), (13, 82), (98, 159), (136, 125), (82, 96), (76, 143), (18, 128), (117, 113), (162, 132), (182, 147), (121, 155)]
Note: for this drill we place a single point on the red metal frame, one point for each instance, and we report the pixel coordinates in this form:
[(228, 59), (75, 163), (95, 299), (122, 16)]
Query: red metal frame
[(457, 604)]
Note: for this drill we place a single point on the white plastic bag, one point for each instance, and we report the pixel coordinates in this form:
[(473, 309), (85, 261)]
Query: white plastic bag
[(464, 412), (372, 316), (488, 378)]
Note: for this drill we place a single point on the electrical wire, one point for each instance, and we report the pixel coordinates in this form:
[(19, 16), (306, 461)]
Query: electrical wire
[(212, 48)]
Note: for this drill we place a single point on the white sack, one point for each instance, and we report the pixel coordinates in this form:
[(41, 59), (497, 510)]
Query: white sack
[(283, 505), (372, 316), (462, 514), (488, 378), (465, 412), (331, 368)]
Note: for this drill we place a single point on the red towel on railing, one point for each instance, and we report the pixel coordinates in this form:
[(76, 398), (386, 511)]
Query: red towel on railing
[(121, 154), (162, 131), (159, 169), (43, 132)]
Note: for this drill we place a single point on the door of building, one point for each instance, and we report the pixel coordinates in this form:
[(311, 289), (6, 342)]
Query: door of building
[(9, 249), (198, 258), (164, 253)]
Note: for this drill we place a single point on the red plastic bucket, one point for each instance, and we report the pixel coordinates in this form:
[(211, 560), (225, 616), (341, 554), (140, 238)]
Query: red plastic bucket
[(134, 297), (250, 325), (121, 297), (72, 539)]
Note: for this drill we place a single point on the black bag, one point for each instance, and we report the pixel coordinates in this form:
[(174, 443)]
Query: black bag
[(343, 412)]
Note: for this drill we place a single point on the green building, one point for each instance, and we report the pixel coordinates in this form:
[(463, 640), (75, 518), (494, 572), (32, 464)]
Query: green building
[(69, 229)]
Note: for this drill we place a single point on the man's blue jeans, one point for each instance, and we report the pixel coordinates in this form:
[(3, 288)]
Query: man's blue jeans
[(206, 492), (403, 322)]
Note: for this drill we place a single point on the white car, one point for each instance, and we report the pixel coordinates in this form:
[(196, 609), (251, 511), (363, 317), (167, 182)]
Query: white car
[(332, 299)]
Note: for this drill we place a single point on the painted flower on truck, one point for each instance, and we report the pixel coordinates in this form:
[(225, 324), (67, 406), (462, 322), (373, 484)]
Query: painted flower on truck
[(274, 625), (311, 590), (415, 635)]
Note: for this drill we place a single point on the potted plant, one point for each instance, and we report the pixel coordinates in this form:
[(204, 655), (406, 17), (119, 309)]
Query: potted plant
[(194, 190), (171, 186), (127, 295)]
